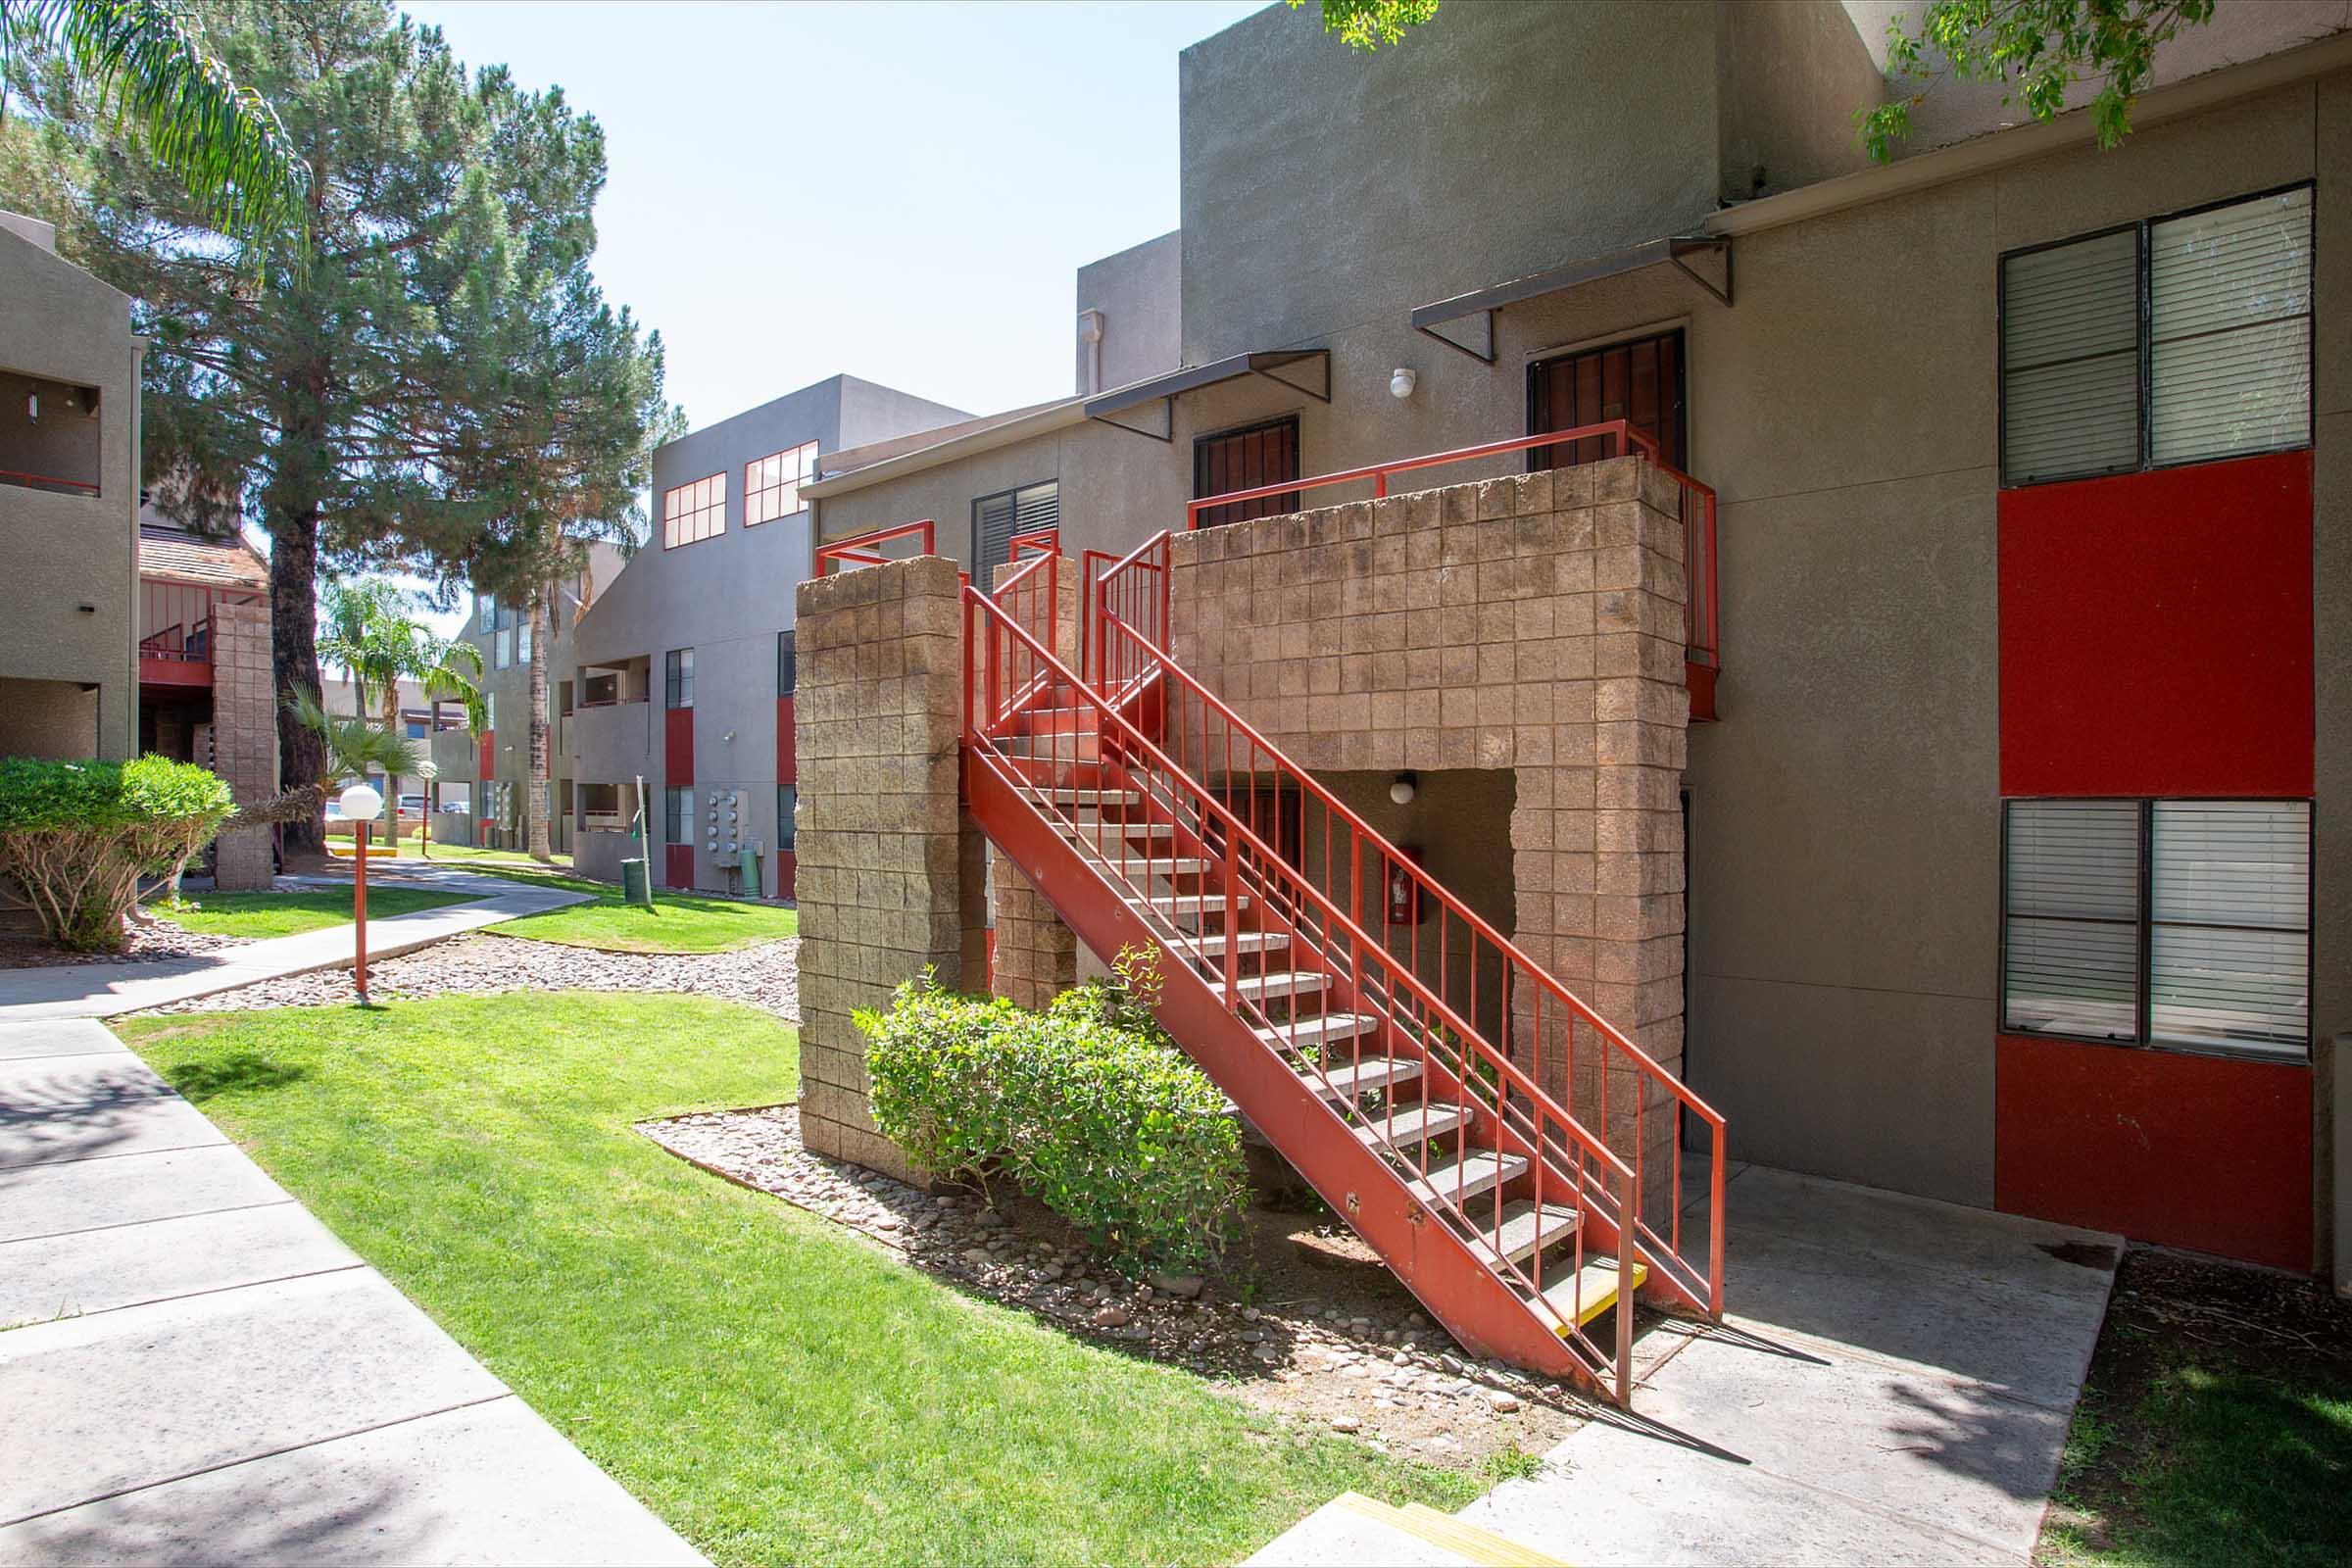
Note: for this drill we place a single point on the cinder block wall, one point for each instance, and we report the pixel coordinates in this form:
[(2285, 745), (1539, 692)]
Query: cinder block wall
[(879, 714), (1533, 623), (244, 737)]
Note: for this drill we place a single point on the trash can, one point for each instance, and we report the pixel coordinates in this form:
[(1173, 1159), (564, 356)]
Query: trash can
[(633, 885)]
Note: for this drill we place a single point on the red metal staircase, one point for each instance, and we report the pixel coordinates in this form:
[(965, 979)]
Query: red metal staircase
[(1364, 1045)]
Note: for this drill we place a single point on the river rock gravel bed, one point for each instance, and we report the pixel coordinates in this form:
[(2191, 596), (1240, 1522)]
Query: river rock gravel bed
[(764, 975), (1357, 1356), (145, 940)]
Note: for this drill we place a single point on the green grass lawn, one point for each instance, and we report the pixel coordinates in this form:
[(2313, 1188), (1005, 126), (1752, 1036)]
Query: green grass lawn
[(459, 855), (2216, 1427), (283, 915), (777, 1391), (678, 922)]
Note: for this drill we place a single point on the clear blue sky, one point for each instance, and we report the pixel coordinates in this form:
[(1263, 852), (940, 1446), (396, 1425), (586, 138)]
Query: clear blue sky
[(897, 190)]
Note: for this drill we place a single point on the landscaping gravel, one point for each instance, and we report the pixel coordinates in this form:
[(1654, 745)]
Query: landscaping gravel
[(1357, 1361), (144, 942), (766, 975)]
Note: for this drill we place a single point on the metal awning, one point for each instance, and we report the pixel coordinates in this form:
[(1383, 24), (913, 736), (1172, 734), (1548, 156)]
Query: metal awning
[(1164, 389), (1482, 303)]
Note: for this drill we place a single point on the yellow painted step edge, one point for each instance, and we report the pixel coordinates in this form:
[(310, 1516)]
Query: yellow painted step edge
[(1424, 1523), (1602, 1299)]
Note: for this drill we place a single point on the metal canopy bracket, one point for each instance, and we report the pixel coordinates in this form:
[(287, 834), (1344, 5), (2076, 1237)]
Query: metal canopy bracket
[(1271, 363), (1482, 304)]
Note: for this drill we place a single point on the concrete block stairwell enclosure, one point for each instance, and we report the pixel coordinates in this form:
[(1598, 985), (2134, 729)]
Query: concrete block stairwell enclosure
[(1393, 786)]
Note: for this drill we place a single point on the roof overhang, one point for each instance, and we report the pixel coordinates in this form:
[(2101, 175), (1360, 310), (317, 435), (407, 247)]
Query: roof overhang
[(1712, 272), (1279, 365), (913, 454)]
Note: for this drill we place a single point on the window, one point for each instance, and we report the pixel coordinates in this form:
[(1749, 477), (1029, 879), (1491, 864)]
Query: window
[(2167, 922), (489, 710), (788, 672), (1640, 382), (771, 485), (996, 518), (2174, 340), (563, 699), (694, 511), (678, 678), (488, 617), (678, 815), (788, 802), (522, 643), (416, 727), (501, 649), (1244, 460)]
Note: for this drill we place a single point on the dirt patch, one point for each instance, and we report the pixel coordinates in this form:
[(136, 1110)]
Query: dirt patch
[(2179, 1394), (1301, 1318)]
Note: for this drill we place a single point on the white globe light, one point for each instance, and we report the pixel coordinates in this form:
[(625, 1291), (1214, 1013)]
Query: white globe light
[(1401, 381), (1403, 790), (362, 804), (428, 771)]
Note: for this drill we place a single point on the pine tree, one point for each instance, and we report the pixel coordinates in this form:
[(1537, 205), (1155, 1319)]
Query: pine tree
[(332, 384)]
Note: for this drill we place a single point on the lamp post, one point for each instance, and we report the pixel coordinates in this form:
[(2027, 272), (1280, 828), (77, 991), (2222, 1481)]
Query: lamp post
[(361, 804), (430, 773)]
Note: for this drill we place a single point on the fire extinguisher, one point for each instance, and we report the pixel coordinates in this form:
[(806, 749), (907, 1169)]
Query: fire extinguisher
[(1404, 890)]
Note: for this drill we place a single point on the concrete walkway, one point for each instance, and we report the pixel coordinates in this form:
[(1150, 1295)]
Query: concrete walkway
[(205, 1374), (105, 990), (1893, 1387)]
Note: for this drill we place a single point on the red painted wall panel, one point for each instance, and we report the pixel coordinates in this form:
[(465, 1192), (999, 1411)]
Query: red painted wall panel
[(2155, 632), (787, 870), (2196, 1151), (678, 866), (788, 757), (677, 746), (489, 755)]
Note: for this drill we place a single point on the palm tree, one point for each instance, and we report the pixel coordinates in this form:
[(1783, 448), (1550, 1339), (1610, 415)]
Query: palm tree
[(223, 141), (369, 634)]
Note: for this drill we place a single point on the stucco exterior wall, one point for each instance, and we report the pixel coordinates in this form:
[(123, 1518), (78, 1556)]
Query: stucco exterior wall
[(1139, 292), (68, 552), (1488, 147)]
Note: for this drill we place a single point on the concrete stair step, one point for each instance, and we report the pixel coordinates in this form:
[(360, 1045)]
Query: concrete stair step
[(1522, 1228), (1411, 1125), (1322, 1030), (1476, 1171), (1282, 985), (1591, 1290), (1350, 1079)]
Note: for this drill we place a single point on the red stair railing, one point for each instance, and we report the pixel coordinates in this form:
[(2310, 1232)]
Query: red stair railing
[(1462, 957), (866, 549), (1569, 1165)]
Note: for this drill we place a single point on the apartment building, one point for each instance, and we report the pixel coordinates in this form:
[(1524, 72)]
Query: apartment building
[(679, 671), (490, 773), (68, 504), (2004, 860)]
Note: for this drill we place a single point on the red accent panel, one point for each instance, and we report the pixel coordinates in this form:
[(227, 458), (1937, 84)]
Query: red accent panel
[(2155, 632), (788, 867), (180, 673), (678, 866), (788, 751), (489, 761), (2196, 1151), (677, 747)]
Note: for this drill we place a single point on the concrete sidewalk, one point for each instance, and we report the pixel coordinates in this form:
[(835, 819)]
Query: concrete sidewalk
[(105, 990), (205, 1374), (1893, 1386)]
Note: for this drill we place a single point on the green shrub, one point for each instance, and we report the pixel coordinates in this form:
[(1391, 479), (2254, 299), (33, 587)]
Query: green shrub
[(77, 837), (1086, 1105)]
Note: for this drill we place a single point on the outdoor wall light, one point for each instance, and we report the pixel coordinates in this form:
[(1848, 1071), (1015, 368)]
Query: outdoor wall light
[(1406, 787), (1400, 382)]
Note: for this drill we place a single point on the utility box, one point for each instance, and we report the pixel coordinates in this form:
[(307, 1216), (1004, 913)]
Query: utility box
[(635, 885)]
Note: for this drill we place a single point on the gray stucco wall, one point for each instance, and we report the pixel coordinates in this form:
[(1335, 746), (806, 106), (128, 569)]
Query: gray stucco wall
[(68, 550), (1324, 187), (1139, 293), (1791, 74)]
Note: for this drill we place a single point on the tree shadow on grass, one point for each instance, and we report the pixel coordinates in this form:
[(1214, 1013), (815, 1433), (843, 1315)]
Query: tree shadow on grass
[(238, 1072)]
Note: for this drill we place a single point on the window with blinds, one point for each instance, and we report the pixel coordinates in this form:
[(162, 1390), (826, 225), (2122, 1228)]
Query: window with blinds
[(2170, 922), (2176, 340), (996, 518)]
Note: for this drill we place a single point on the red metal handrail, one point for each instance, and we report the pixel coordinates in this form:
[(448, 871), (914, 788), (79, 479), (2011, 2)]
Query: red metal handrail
[(1698, 507), (1000, 653), (1138, 584), (80, 488), (866, 549)]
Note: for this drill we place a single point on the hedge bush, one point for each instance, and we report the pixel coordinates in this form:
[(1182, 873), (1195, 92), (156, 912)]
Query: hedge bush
[(77, 837), (1086, 1105)]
